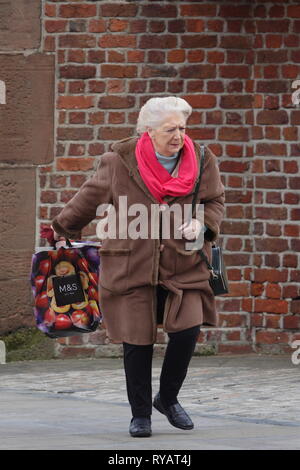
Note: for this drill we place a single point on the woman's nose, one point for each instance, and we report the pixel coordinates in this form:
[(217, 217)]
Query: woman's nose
[(177, 134)]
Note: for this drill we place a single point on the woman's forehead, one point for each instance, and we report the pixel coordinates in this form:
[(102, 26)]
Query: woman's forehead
[(173, 120)]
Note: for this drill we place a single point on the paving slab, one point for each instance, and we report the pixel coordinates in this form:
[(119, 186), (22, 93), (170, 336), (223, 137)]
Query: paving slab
[(236, 402)]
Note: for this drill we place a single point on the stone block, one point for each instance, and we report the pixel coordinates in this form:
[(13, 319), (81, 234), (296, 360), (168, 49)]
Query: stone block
[(27, 117)]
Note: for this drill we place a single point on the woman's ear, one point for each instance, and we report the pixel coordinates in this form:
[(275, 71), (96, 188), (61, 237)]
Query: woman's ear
[(150, 131)]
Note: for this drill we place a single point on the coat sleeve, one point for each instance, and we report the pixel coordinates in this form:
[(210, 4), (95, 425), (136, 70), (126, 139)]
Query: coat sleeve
[(82, 208), (212, 196)]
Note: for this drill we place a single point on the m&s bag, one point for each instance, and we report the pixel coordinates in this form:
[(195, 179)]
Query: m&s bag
[(64, 285)]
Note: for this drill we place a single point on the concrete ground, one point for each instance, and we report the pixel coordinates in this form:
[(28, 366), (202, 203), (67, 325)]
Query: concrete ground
[(236, 402)]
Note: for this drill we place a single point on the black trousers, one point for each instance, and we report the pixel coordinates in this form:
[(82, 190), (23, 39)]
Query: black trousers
[(138, 367)]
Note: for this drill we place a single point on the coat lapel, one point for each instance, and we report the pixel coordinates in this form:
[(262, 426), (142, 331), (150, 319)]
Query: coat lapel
[(126, 150)]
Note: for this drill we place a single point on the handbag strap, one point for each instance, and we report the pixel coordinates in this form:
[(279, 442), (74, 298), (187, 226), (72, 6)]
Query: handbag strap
[(202, 156)]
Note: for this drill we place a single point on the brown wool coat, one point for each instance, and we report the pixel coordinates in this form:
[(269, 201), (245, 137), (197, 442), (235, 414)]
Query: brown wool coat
[(130, 269)]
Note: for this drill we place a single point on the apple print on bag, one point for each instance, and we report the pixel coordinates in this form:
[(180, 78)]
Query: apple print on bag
[(66, 273)]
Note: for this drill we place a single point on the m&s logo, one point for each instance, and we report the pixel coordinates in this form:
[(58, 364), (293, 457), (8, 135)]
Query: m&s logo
[(67, 288)]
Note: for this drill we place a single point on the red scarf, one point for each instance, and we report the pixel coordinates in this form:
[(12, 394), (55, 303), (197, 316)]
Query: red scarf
[(157, 179)]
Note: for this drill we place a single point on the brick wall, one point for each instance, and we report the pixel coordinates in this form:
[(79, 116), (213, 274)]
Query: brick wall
[(235, 63)]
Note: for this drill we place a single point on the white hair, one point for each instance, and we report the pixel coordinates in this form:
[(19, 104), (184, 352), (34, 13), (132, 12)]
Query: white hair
[(155, 110)]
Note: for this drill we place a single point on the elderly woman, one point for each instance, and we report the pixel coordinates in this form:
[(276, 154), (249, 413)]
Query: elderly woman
[(152, 279)]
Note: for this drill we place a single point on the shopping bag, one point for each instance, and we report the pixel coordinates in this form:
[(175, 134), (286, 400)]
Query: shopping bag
[(64, 285)]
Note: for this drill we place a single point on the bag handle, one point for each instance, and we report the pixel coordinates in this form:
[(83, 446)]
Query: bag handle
[(68, 243)]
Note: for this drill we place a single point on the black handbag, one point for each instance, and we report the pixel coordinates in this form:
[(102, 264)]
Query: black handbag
[(218, 280)]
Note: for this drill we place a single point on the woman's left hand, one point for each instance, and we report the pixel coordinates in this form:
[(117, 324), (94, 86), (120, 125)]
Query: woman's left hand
[(191, 230)]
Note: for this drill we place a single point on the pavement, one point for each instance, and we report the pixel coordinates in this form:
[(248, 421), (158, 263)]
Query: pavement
[(245, 402)]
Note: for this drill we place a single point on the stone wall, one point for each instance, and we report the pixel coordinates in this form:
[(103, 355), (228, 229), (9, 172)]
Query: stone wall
[(27, 142)]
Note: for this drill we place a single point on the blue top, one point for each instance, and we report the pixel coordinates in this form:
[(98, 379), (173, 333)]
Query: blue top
[(169, 164)]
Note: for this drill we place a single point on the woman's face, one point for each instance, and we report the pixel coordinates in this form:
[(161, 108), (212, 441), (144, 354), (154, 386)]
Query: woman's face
[(168, 138)]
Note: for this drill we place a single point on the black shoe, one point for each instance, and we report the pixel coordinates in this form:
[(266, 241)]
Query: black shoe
[(140, 427), (175, 414)]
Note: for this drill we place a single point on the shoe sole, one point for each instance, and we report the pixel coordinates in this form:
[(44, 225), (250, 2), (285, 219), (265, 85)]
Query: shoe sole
[(161, 410), (141, 434)]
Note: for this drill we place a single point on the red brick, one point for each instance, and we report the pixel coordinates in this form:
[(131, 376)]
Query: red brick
[(215, 57), (293, 11), (158, 71), (213, 117), (140, 26), (96, 86), (111, 101), (77, 40), (272, 117), (295, 306), (76, 55), (50, 10), (239, 134), (77, 118), (159, 11), (115, 86), (234, 167), (75, 102), (271, 57), (198, 40), (157, 57), (118, 71), (271, 337), (201, 101), (77, 11), (122, 40), (236, 101), (271, 86), (135, 56), (271, 306), (236, 42), (114, 133), (74, 133), (234, 71), (74, 164), (233, 11), (151, 41), (273, 321), (199, 71), (116, 25), (77, 71), (177, 55), (276, 26), (235, 348), (48, 197), (55, 26), (118, 10), (97, 26), (206, 9), (194, 26), (215, 25), (291, 322)]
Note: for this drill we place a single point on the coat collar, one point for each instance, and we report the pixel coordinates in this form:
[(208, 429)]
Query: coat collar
[(125, 148)]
